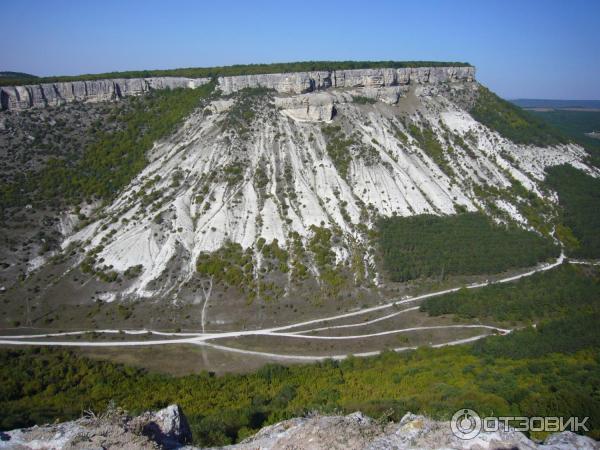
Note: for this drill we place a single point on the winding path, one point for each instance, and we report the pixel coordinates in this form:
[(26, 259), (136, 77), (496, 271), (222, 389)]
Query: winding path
[(203, 339)]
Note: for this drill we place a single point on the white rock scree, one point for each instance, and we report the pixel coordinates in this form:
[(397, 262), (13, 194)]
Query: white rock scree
[(287, 143)]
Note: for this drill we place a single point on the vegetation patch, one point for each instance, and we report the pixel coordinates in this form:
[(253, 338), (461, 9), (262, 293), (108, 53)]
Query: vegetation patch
[(298, 254), (261, 179), (320, 244), (579, 198), (233, 173), (464, 244), (429, 143), (562, 291), (369, 154), (513, 122), (243, 111), (133, 271), (275, 256), (538, 212), (361, 100), (338, 148), (230, 265), (113, 159)]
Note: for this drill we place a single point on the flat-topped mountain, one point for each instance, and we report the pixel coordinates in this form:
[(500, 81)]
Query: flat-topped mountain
[(276, 187), (52, 94), (217, 220)]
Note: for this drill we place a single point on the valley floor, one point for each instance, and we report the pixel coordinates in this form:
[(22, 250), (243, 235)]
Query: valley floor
[(397, 324)]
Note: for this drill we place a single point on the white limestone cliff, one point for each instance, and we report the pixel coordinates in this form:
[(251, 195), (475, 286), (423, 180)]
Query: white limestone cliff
[(53, 94)]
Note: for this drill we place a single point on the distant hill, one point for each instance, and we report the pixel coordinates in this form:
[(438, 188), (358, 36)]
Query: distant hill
[(531, 103), (7, 74), (578, 119)]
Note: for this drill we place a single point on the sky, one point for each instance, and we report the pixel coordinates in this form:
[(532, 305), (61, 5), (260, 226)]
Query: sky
[(521, 48)]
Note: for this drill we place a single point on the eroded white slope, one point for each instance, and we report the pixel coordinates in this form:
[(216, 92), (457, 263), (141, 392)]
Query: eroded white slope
[(212, 182)]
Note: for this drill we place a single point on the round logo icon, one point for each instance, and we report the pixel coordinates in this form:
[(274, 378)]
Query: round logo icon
[(465, 424)]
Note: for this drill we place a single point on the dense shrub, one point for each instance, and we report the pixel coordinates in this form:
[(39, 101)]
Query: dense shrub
[(113, 159), (230, 264), (429, 143), (338, 148), (568, 334), (553, 369), (513, 122), (544, 295), (436, 246), (579, 197)]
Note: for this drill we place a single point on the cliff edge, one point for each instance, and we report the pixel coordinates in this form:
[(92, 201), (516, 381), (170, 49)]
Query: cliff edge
[(54, 94)]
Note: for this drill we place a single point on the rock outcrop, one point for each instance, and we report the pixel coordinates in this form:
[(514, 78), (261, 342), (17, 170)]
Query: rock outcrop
[(355, 431), (301, 82), (168, 429), (320, 106), (164, 429), (307, 107), (281, 137), (54, 94)]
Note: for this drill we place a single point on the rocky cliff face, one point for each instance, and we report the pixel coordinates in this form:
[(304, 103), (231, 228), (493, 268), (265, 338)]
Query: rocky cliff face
[(290, 169), (271, 167), (53, 94), (301, 82), (168, 429)]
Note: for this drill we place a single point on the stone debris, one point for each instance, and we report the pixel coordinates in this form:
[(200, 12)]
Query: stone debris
[(164, 429), (168, 429)]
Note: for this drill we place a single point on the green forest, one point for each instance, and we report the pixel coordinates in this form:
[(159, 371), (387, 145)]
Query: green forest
[(545, 295), (113, 159), (513, 122), (575, 124), (491, 376), (237, 69), (463, 244), (553, 369), (579, 198)]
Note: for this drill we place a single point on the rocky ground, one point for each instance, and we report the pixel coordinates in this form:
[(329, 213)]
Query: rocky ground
[(168, 429)]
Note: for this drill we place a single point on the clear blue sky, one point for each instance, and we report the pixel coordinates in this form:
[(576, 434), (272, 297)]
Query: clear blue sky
[(522, 48)]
